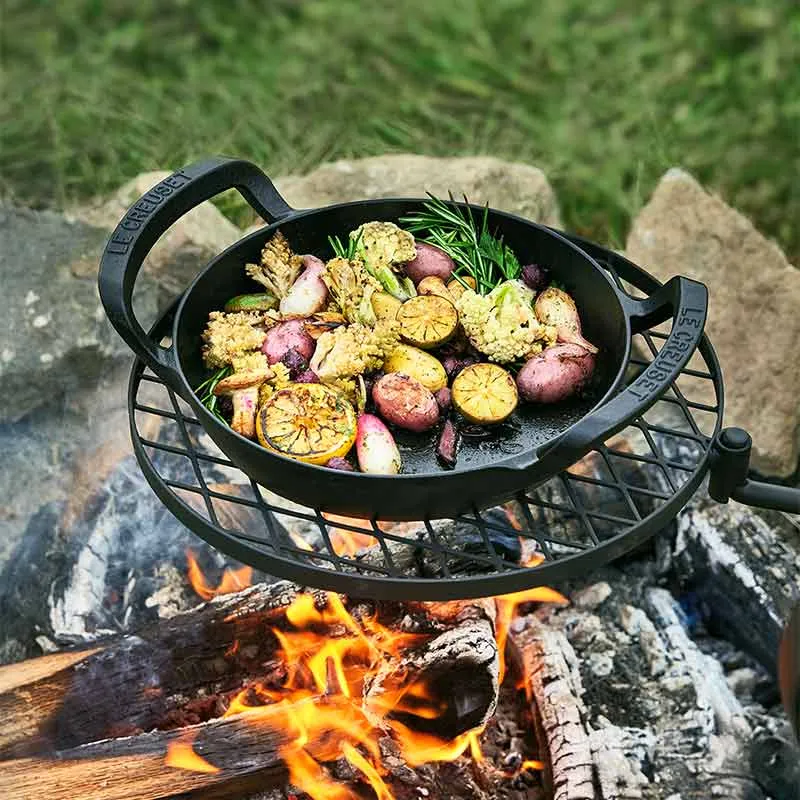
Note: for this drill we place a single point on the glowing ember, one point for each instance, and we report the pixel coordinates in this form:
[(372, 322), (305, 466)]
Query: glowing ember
[(531, 764), (181, 756), (325, 709), (233, 580)]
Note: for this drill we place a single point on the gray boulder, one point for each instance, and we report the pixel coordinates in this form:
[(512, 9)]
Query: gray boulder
[(508, 186), (54, 336), (754, 307)]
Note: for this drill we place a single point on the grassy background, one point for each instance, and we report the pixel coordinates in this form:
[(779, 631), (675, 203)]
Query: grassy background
[(603, 95)]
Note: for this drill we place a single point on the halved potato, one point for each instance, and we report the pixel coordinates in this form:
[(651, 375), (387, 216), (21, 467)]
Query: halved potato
[(485, 394), (385, 306), (418, 364), (427, 321)]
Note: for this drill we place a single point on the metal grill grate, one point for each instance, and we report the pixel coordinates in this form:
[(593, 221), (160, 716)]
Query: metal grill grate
[(611, 501)]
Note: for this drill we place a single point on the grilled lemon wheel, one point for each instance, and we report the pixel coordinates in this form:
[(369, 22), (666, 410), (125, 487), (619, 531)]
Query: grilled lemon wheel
[(484, 393), (307, 421), (427, 320)]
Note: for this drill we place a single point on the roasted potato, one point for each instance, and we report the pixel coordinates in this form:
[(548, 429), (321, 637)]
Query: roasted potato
[(405, 402), (556, 374), (418, 364), (385, 306), (429, 261)]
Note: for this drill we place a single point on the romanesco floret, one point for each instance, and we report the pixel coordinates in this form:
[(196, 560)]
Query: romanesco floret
[(351, 350), (502, 324), (280, 379), (229, 335), (254, 361), (351, 288)]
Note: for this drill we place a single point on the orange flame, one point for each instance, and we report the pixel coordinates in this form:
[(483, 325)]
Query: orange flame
[(232, 579), (181, 755), (327, 708), (531, 763), (507, 606), (347, 542)]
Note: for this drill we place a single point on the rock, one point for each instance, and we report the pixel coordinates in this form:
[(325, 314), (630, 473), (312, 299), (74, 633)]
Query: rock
[(754, 297), (183, 250), (54, 336), (508, 186)]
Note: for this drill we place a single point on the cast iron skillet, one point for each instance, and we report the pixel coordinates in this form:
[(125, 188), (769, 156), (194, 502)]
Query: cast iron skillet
[(535, 444)]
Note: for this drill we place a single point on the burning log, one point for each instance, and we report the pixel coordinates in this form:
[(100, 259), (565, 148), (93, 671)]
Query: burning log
[(98, 723)]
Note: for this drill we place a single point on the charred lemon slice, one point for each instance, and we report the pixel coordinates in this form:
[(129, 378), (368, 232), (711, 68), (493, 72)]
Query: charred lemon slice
[(484, 393), (427, 320), (307, 421)]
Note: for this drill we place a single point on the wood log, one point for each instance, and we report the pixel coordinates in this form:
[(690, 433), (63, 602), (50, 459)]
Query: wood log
[(59, 711), (246, 755), (743, 564), (548, 664)]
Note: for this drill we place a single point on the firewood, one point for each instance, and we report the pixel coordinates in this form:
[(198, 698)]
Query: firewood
[(58, 712), (119, 769)]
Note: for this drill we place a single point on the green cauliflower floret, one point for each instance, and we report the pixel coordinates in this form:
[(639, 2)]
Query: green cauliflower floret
[(502, 324), (351, 350), (351, 288), (382, 246)]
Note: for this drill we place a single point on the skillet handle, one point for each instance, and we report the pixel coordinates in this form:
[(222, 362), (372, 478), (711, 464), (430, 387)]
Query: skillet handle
[(149, 217), (686, 301)]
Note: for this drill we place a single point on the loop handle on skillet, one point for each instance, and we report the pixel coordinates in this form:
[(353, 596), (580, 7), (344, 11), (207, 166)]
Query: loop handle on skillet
[(149, 217), (686, 301)]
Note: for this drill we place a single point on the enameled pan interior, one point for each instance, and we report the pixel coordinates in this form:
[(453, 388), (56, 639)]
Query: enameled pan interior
[(603, 320)]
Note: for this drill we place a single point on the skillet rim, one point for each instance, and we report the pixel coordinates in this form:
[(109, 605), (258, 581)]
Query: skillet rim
[(506, 463)]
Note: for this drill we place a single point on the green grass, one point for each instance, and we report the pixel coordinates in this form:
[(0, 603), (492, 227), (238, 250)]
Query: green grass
[(603, 95)]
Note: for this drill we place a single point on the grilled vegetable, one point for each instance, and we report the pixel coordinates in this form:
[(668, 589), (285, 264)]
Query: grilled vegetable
[(458, 285), (342, 464), (279, 266), (444, 398), (418, 364), (434, 285), (385, 306), (485, 394), (286, 336), (430, 261), (242, 388), (427, 321), (535, 277), (308, 294), (307, 421), (555, 307), (447, 447), (555, 374), (375, 447), (405, 402), (351, 288), (252, 302)]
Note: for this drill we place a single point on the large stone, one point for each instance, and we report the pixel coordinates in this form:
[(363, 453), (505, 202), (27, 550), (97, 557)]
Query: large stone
[(754, 307), (508, 186), (54, 335), (183, 250)]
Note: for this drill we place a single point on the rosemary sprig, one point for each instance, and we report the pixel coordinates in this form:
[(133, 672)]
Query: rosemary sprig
[(205, 391), (468, 242)]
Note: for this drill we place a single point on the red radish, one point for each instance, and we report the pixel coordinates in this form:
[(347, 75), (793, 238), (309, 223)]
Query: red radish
[(337, 462), (555, 307), (375, 447), (555, 374), (285, 336), (430, 262), (308, 294)]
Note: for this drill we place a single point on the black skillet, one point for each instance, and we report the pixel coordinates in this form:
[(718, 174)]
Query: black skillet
[(537, 442)]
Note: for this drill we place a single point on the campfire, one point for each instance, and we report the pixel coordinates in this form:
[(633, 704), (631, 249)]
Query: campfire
[(347, 691), (268, 685)]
